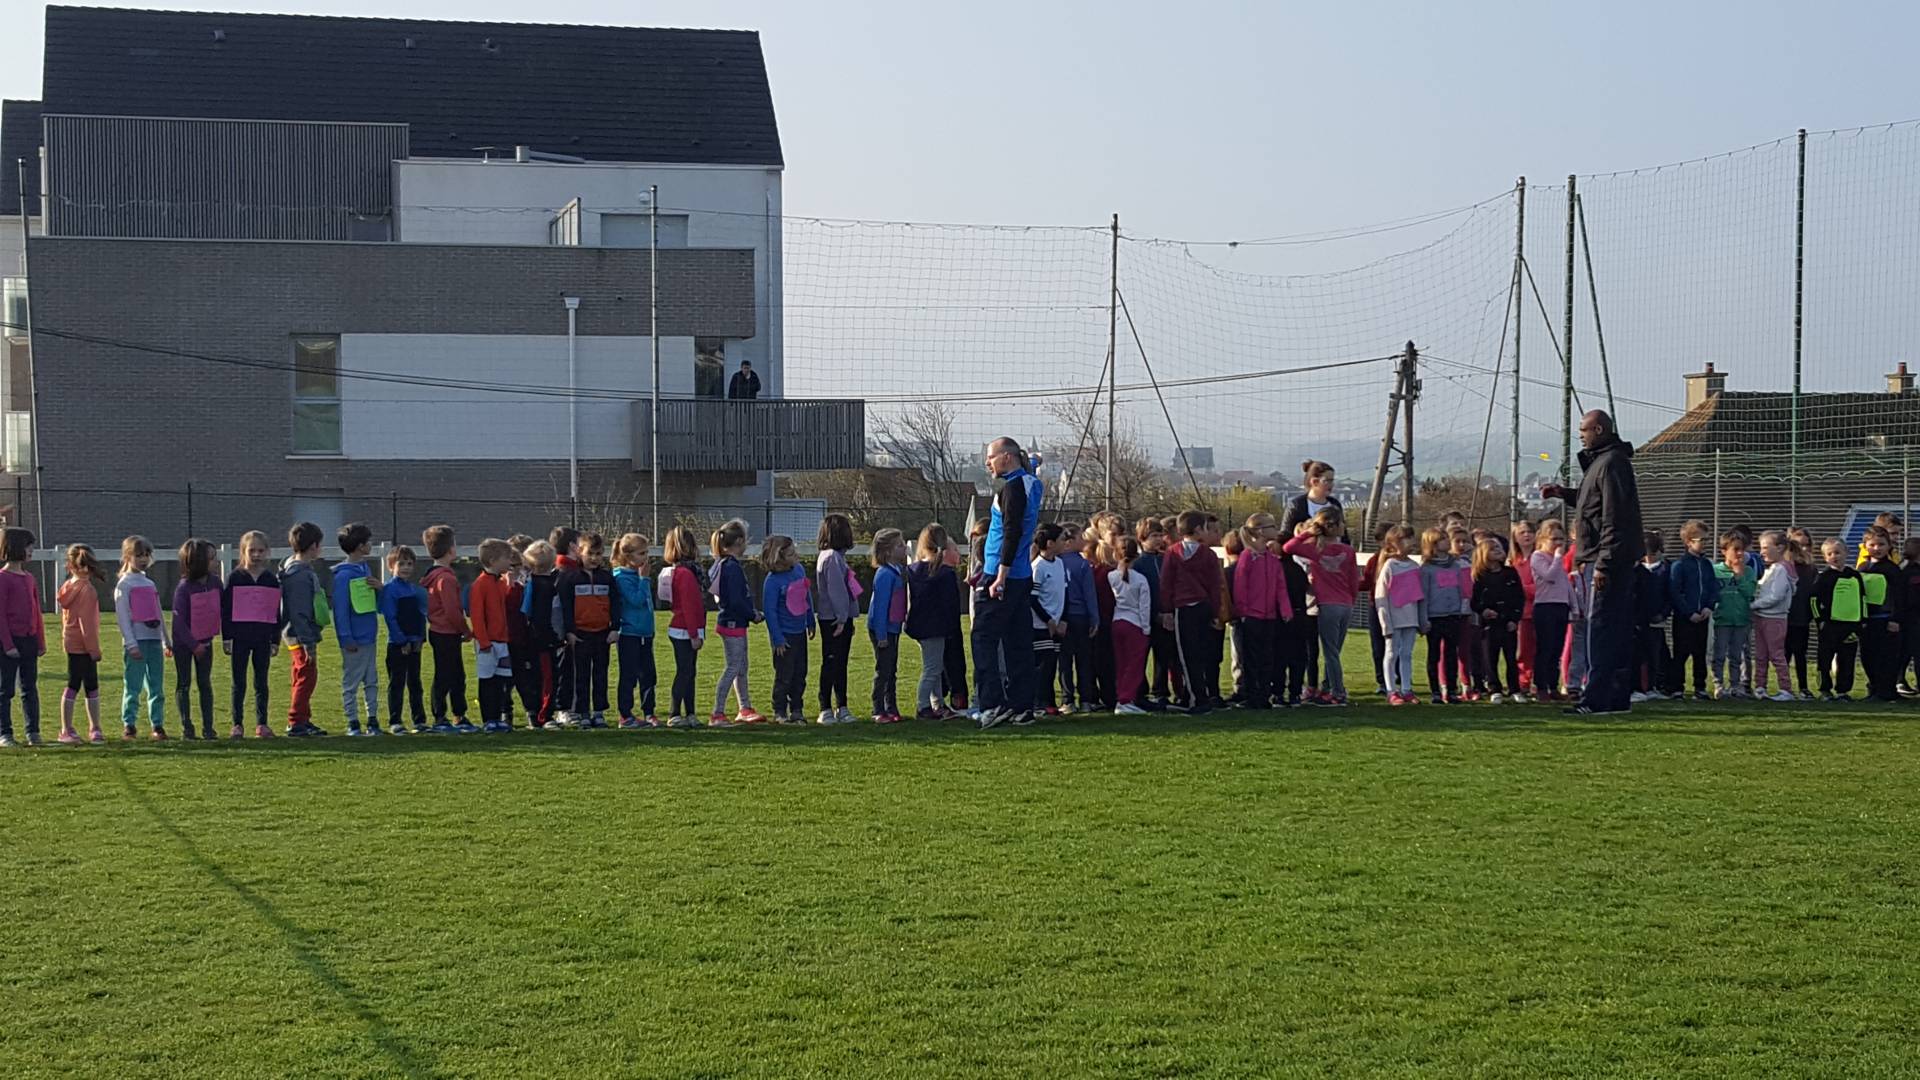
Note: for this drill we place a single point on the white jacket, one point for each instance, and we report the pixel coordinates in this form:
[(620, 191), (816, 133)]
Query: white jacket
[(1049, 591), (1774, 595)]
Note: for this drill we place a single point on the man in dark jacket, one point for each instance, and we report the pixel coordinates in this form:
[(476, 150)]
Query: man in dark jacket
[(1607, 540), (745, 385)]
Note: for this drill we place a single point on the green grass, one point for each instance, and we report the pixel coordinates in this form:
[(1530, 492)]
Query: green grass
[(1426, 891)]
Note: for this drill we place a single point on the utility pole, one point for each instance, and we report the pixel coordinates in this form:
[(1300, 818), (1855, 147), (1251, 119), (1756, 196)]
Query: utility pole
[(1410, 390), (1516, 507), (653, 313), (1566, 362), (1113, 351)]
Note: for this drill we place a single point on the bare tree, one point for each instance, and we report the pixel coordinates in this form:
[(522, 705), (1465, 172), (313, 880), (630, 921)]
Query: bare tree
[(1139, 486), (920, 436)]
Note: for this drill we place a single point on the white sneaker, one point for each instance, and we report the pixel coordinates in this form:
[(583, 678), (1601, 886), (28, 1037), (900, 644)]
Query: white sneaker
[(843, 715), (684, 722), (1066, 710), (1637, 697), (1782, 696), (827, 718), (1129, 709), (1494, 699), (1655, 695)]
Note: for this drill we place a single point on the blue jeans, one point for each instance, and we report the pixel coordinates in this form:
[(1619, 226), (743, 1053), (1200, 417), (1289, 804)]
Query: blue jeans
[(1003, 647), (23, 673)]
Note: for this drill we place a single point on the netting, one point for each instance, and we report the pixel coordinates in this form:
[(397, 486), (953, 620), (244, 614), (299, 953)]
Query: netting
[(1693, 264), (1256, 367)]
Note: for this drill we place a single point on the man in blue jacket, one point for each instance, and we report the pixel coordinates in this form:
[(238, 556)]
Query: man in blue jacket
[(1002, 635)]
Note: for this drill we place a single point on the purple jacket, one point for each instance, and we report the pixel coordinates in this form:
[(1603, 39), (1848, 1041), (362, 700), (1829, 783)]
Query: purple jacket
[(186, 636)]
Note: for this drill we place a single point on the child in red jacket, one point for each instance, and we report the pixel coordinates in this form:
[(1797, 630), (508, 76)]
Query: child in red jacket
[(1190, 582), (687, 593), (447, 633)]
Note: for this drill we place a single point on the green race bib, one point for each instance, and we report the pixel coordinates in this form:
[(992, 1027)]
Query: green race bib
[(361, 594)]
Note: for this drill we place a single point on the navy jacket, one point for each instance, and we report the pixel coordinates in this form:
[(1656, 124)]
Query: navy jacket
[(1083, 604), (1692, 585), (933, 600), (1651, 603)]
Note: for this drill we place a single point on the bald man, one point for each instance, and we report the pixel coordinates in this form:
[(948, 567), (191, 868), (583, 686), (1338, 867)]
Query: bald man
[(1607, 542)]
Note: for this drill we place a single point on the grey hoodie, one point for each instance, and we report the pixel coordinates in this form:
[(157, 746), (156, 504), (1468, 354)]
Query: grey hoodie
[(1448, 583), (299, 581)]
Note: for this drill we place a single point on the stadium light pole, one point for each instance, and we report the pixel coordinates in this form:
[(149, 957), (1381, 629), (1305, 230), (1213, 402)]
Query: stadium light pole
[(573, 415)]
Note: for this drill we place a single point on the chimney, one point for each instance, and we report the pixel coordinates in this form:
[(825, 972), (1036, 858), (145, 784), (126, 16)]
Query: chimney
[(1702, 385), (1899, 382)]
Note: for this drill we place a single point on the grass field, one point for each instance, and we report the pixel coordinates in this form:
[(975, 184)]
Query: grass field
[(1428, 891)]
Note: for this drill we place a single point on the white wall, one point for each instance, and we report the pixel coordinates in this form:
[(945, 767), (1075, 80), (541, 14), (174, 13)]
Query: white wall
[(510, 202), (436, 420)]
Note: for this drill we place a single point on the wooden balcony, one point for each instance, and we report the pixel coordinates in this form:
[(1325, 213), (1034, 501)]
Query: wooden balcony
[(721, 435)]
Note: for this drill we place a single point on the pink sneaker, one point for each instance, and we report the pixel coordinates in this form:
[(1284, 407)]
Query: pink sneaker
[(95, 737), (67, 737), (719, 720), (749, 716)]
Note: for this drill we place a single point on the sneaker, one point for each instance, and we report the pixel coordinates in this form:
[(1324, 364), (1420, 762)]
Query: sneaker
[(749, 716), (95, 737), (441, 727), (844, 714), (1439, 699), (206, 730), (928, 714), (789, 719), (396, 728), (420, 727), (67, 737), (994, 717), (1129, 710), (720, 720), (300, 731), (885, 718), (238, 732), (597, 720), (684, 722), (1782, 696), (628, 723), (158, 734), (373, 727), (262, 731), (1154, 705), (1495, 699), (1701, 695), (353, 731), (1024, 719), (7, 743), (186, 732), (1199, 710), (1380, 689), (1066, 709), (652, 721), (827, 718), (1638, 697), (465, 727), (1808, 695)]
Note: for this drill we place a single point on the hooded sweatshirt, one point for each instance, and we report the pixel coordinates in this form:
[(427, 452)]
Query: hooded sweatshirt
[(1410, 614), (1775, 593), (352, 627), (1260, 586), (788, 604), (1189, 575), (404, 607), (142, 631), (1333, 572), (1448, 582), (306, 589), (634, 590), (79, 616)]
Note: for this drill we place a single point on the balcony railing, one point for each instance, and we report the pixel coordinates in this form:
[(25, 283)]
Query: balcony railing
[(722, 435)]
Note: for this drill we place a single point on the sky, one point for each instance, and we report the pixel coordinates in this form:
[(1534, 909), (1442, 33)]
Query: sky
[(1221, 121), (1214, 122)]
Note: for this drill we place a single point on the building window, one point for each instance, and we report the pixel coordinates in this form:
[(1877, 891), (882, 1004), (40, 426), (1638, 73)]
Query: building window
[(709, 367), (636, 230), (316, 395)]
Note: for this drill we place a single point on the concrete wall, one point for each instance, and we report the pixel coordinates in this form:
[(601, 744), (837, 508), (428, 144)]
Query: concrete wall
[(507, 202), (133, 416)]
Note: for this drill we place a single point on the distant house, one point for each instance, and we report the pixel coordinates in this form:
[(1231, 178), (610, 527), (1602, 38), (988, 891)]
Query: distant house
[(1198, 458), (1854, 447)]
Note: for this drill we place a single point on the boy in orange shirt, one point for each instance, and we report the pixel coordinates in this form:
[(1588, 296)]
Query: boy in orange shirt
[(446, 633), (492, 661)]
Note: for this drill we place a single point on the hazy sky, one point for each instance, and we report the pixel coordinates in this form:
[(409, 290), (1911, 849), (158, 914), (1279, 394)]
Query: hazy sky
[(1233, 120)]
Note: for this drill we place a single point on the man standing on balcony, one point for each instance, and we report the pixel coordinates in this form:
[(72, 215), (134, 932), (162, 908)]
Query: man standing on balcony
[(1002, 611), (745, 385)]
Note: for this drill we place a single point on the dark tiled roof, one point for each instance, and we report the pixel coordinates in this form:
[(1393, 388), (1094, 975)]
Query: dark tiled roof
[(602, 93), (1748, 422), (19, 138)]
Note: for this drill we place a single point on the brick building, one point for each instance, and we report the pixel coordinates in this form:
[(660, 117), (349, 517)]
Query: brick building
[(345, 291)]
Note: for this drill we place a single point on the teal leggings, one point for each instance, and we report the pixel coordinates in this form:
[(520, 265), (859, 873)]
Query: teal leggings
[(149, 670)]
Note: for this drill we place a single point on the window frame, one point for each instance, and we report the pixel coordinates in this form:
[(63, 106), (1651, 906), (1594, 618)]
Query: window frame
[(297, 398)]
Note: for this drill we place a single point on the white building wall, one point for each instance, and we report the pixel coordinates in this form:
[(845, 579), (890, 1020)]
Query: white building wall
[(436, 420), (513, 202), (10, 255)]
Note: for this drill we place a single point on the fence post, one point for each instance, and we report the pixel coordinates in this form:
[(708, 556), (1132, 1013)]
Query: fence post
[(393, 505), (1799, 296), (1906, 487), (225, 556)]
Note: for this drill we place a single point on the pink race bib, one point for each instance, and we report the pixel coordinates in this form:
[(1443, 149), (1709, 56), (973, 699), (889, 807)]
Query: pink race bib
[(144, 604), (256, 604), (204, 608), (797, 597), (1405, 589)]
